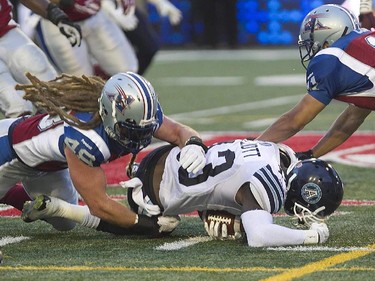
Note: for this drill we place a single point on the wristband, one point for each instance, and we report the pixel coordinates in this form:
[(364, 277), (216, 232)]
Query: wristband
[(311, 237), (55, 14), (197, 141)]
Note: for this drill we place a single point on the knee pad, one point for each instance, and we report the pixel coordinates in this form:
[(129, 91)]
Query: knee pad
[(29, 58)]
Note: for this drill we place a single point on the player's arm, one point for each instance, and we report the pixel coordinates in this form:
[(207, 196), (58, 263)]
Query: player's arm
[(90, 182), (193, 152), (262, 232), (293, 121), (344, 126)]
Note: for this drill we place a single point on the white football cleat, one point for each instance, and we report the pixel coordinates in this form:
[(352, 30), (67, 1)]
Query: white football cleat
[(42, 207)]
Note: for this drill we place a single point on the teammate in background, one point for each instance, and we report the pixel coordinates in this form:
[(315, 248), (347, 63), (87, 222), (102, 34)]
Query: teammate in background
[(341, 65), (20, 55), (139, 30), (363, 10), (103, 41), (251, 179), (61, 152)]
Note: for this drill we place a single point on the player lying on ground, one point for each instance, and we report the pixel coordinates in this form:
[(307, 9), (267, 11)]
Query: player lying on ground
[(243, 177)]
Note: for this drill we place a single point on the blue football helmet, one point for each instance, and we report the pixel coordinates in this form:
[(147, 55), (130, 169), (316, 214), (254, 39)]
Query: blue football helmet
[(314, 190), (128, 107)]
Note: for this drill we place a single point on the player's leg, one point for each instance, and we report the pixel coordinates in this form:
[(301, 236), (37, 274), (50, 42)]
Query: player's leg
[(144, 40), (55, 184), (67, 59), (109, 46), (11, 102)]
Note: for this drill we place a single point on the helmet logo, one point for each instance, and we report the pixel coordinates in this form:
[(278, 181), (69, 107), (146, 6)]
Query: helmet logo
[(122, 99), (313, 23), (311, 193)]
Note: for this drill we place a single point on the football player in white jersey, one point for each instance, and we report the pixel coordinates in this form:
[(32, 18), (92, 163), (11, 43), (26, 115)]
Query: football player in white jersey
[(250, 179), (19, 54), (61, 152), (341, 66)]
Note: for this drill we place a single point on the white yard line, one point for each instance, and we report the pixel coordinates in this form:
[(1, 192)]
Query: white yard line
[(320, 248), (11, 240), (177, 245)]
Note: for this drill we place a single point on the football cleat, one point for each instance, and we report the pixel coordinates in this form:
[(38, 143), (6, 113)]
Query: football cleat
[(42, 207)]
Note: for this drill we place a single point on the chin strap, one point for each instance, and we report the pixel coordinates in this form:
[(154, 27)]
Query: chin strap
[(305, 217)]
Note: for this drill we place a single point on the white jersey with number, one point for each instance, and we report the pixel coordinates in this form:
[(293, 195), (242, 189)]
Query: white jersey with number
[(229, 165)]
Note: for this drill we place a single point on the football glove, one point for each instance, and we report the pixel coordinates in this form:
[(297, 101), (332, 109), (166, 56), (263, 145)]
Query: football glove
[(167, 9), (126, 22), (69, 29), (192, 158), (322, 230), (303, 155)]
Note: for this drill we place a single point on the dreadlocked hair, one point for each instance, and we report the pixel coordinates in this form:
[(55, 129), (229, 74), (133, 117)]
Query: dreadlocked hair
[(64, 94)]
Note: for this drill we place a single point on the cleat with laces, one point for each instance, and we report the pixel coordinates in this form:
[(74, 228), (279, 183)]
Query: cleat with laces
[(42, 207)]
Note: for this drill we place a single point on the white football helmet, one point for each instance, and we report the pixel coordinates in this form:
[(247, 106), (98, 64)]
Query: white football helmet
[(128, 106), (322, 27)]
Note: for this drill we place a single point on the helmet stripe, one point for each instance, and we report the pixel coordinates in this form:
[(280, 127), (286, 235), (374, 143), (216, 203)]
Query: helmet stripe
[(146, 95)]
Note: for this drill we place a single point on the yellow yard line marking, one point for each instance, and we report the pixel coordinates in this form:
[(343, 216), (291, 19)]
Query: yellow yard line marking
[(186, 269), (320, 265)]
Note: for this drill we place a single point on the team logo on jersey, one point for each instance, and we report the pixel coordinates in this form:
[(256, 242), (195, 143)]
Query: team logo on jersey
[(122, 99), (311, 193)]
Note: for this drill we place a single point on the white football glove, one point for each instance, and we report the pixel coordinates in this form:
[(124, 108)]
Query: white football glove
[(127, 22), (365, 6), (192, 158), (144, 203), (219, 230), (71, 31), (322, 230), (168, 224), (167, 9)]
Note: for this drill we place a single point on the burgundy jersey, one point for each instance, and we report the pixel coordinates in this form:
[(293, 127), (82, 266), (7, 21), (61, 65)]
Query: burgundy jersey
[(5, 17), (82, 9)]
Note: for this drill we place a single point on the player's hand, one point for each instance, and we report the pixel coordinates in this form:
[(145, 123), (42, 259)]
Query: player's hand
[(71, 31), (126, 22), (322, 230), (167, 224), (192, 158), (303, 155), (155, 226), (167, 9), (219, 230)]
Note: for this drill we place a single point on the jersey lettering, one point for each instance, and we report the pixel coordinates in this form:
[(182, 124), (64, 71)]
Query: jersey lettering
[(370, 40), (208, 170), (80, 150)]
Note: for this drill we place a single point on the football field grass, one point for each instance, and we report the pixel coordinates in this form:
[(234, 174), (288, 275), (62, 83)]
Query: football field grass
[(226, 92)]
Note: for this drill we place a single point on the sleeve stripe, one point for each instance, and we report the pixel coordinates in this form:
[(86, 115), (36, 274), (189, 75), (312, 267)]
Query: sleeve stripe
[(272, 186)]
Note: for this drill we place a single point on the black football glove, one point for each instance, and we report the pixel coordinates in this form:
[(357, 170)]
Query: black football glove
[(303, 155), (71, 30)]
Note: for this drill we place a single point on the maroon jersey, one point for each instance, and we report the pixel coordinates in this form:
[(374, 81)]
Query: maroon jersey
[(82, 9), (5, 17)]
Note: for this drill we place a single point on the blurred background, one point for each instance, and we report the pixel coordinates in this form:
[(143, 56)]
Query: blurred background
[(233, 23)]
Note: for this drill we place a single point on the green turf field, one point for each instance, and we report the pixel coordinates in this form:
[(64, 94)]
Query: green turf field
[(210, 91)]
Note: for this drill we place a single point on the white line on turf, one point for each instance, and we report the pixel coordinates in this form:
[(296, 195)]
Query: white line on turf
[(11, 240), (177, 245), (321, 248)]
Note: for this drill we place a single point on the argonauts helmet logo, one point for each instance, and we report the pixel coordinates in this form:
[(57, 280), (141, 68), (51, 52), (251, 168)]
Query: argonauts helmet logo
[(311, 193)]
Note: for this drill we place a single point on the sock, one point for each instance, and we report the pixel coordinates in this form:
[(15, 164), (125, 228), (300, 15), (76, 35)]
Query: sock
[(77, 213), (16, 197)]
